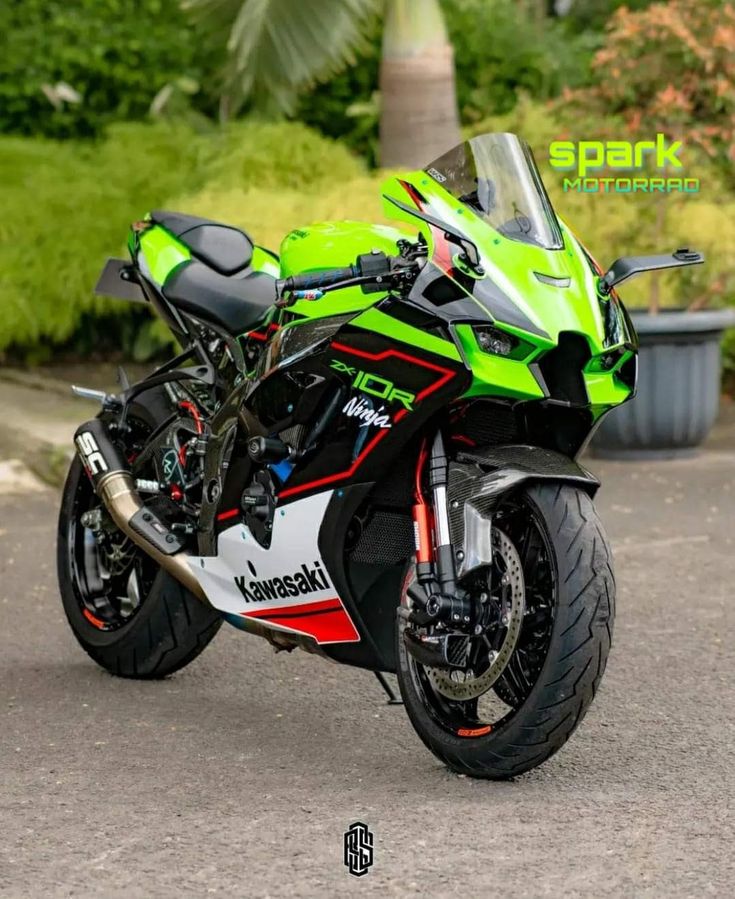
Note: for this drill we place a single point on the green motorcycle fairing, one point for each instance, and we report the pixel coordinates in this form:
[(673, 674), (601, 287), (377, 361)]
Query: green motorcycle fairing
[(336, 245), (513, 292), (159, 253), (532, 280)]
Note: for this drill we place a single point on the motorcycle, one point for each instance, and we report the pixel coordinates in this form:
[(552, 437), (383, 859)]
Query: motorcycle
[(367, 449)]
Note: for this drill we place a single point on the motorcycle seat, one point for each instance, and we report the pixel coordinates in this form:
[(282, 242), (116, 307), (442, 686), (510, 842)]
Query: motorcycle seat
[(218, 285), (233, 304), (224, 248)]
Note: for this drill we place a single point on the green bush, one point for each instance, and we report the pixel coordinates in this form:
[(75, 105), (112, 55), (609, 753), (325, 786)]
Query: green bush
[(500, 49), (593, 15), (116, 54), (613, 225), (67, 207)]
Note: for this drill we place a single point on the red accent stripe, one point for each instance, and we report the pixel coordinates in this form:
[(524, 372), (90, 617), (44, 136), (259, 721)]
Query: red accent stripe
[(329, 479), (442, 258), (447, 375), (230, 513), (442, 250), (327, 620), (263, 335), (92, 620), (413, 193), (301, 609)]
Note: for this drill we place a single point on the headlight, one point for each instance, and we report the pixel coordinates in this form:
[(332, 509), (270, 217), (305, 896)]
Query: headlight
[(492, 340)]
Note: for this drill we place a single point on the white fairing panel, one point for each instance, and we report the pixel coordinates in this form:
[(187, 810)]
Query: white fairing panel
[(287, 586)]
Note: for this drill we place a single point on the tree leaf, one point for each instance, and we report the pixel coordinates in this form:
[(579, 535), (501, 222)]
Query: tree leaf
[(277, 48)]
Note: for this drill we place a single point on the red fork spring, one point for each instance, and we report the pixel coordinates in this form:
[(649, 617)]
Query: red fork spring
[(422, 513)]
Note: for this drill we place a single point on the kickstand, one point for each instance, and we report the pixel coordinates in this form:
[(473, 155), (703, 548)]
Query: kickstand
[(392, 698)]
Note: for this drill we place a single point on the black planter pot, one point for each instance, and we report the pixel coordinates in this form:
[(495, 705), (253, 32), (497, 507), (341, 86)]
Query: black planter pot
[(678, 387)]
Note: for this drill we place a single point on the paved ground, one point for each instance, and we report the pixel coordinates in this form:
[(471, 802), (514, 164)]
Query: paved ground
[(238, 776)]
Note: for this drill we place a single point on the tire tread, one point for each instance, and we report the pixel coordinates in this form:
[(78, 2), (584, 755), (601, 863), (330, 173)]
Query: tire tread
[(575, 663)]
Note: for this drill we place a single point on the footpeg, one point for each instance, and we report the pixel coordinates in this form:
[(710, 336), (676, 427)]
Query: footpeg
[(438, 650)]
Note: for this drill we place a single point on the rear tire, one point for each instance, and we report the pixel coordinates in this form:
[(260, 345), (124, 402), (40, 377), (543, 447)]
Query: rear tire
[(543, 717), (169, 628)]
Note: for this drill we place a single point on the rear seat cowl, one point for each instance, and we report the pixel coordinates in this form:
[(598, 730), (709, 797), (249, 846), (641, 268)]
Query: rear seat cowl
[(224, 248)]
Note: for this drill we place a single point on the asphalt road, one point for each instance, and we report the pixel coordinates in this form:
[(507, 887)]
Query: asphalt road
[(238, 776)]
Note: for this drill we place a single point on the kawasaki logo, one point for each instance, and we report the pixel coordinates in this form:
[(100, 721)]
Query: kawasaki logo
[(307, 580), (375, 385)]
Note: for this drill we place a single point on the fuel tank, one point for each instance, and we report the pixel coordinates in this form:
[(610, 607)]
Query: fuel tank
[(335, 245)]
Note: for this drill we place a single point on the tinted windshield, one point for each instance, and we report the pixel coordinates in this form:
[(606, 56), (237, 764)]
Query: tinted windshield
[(496, 176)]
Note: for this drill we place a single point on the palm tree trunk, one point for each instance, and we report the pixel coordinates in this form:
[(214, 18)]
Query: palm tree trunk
[(419, 119)]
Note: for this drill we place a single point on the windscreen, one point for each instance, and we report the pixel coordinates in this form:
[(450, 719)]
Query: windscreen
[(495, 175)]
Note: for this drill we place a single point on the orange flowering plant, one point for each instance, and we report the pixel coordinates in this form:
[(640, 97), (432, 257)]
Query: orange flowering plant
[(670, 69)]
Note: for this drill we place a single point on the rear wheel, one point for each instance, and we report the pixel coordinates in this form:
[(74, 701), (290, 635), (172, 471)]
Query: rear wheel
[(128, 614), (542, 640)]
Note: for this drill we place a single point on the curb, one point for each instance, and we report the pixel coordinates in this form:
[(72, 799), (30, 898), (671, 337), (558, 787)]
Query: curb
[(34, 381), (47, 461)]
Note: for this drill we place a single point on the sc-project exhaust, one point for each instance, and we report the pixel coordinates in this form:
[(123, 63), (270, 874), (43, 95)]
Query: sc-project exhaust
[(113, 483)]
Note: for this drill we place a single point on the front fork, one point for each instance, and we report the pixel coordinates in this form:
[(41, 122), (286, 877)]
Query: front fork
[(436, 596)]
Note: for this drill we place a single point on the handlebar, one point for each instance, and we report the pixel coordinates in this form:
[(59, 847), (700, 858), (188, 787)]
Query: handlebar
[(371, 270), (315, 280)]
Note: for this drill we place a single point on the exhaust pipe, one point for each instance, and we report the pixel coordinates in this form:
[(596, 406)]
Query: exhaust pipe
[(113, 483)]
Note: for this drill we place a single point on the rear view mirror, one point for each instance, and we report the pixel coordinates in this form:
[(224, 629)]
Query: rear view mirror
[(627, 266), (469, 249)]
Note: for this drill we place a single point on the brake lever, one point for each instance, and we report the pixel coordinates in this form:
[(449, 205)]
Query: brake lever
[(296, 295), (317, 293), (376, 283)]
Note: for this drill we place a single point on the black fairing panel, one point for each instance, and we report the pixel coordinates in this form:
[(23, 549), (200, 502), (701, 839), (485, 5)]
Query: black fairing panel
[(402, 386), (320, 371), (369, 593), (481, 477), (447, 299)]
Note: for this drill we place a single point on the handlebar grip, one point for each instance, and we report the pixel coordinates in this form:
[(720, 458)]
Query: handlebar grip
[(313, 280)]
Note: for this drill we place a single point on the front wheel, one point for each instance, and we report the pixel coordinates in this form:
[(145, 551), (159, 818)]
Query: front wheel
[(548, 605)]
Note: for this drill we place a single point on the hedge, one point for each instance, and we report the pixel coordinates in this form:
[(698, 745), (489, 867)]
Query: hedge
[(67, 206)]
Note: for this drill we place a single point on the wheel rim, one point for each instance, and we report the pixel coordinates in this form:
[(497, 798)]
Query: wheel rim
[(491, 697), (111, 576), (461, 685)]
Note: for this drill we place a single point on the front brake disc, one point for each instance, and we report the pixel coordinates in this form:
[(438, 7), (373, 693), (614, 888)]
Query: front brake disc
[(464, 685)]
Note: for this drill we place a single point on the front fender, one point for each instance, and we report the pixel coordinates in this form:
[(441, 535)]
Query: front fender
[(478, 479)]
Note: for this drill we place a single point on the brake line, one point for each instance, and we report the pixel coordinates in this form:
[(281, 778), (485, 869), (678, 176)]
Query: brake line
[(189, 407)]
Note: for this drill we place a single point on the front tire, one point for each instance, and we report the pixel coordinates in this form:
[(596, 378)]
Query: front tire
[(544, 694)]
